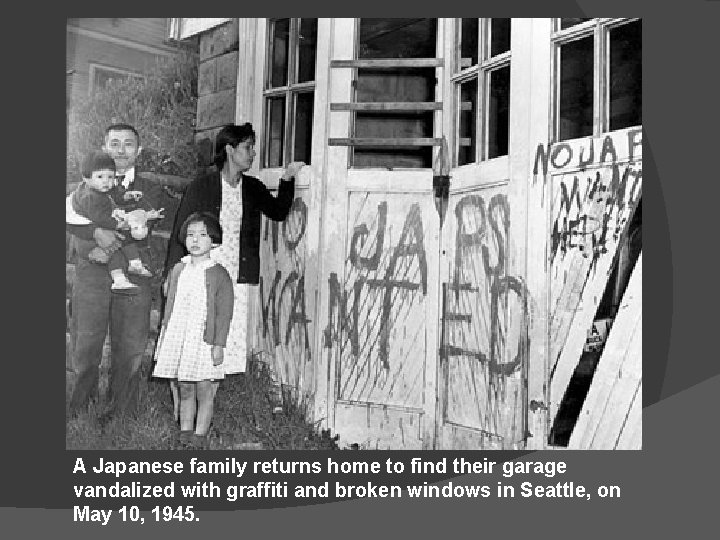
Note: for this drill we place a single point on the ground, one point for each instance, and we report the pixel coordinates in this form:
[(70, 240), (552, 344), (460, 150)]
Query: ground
[(250, 413)]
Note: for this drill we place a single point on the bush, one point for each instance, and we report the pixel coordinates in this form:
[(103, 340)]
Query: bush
[(162, 106)]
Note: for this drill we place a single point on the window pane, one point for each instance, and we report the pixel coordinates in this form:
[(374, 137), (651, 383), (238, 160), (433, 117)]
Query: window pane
[(468, 43), (397, 38), (303, 127), (467, 141), (576, 89), (498, 112), (567, 23), (626, 76), (280, 41), (276, 131), (308, 46), (499, 36)]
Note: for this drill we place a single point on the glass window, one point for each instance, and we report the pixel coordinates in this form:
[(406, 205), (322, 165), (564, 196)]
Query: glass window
[(303, 125), (100, 76), (567, 23), (487, 117), (498, 118), (598, 74), (280, 42), (276, 130), (468, 114), (626, 76), (468, 42), (576, 89), (499, 36), (289, 91), (308, 47)]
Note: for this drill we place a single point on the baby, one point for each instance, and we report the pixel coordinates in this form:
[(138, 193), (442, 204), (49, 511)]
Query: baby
[(92, 200)]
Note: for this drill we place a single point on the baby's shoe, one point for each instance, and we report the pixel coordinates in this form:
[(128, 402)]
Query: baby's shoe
[(136, 267), (98, 255), (123, 285)]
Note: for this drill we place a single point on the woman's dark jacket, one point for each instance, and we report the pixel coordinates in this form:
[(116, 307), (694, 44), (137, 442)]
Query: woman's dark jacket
[(204, 194)]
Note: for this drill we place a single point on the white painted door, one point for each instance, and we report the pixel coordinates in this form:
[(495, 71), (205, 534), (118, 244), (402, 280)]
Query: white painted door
[(481, 401), (381, 242)]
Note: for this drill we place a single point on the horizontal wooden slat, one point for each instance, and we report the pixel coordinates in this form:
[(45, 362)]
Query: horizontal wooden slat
[(356, 141), (466, 62), (388, 63), (388, 106)]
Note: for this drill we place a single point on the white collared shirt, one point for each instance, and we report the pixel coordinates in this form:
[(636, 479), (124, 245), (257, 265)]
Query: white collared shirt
[(129, 177)]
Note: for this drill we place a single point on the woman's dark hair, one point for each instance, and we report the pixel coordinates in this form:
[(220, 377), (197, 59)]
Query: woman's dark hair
[(232, 135), (212, 226), (96, 161)]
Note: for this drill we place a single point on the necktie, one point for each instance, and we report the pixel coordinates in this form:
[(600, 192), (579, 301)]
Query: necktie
[(119, 180)]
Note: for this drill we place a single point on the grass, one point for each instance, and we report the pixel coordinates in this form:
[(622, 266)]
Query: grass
[(249, 412), (250, 409)]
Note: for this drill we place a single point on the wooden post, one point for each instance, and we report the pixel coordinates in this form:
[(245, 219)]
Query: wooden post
[(537, 119), (332, 248)]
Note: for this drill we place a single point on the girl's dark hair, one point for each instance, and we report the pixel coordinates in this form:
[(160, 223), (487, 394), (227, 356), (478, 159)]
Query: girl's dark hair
[(212, 226), (232, 135), (96, 161)]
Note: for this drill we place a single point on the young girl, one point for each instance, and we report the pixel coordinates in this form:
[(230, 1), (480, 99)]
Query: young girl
[(195, 326)]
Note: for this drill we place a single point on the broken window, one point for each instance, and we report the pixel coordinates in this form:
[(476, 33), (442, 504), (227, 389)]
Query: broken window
[(482, 89), (598, 76), (289, 91), (393, 122)]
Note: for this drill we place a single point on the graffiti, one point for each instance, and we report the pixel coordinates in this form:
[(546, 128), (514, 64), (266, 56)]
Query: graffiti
[(405, 248), (469, 242), (375, 309), (337, 303), (282, 305), (594, 208), (409, 246), (360, 233), (293, 228), (484, 333), (583, 154)]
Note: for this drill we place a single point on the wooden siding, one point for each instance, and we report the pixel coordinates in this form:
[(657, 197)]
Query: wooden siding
[(593, 186), (132, 45), (151, 32), (285, 306), (611, 416)]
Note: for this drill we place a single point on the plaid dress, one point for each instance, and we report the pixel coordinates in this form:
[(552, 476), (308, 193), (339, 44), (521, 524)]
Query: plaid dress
[(182, 352)]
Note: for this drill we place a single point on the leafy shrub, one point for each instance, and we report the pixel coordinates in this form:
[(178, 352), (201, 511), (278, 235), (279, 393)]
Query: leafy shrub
[(162, 107)]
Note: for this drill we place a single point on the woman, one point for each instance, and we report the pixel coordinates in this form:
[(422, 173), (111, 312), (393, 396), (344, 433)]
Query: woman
[(237, 201)]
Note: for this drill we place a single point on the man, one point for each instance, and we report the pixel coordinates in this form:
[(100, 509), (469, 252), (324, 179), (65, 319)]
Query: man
[(94, 307)]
